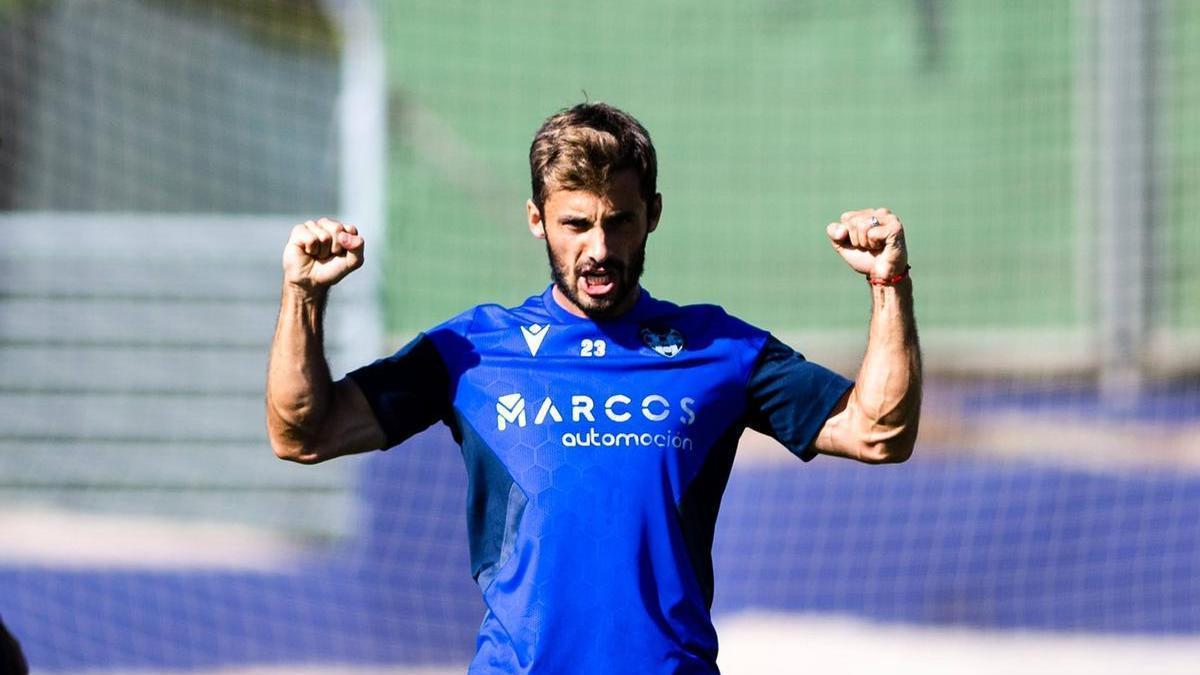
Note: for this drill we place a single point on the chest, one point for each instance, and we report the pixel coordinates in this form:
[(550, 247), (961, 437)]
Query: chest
[(621, 399)]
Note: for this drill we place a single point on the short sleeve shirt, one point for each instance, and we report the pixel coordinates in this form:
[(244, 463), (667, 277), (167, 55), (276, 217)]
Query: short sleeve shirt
[(597, 453)]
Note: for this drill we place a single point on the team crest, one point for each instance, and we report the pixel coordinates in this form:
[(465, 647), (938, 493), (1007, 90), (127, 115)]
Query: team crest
[(667, 342)]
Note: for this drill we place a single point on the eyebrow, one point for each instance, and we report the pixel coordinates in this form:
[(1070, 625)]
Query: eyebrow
[(615, 219)]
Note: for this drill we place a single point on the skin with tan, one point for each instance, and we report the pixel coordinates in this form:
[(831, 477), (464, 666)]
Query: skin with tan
[(595, 242), (309, 417), (876, 421)]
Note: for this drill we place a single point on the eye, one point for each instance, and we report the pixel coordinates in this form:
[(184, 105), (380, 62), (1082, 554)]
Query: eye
[(619, 222)]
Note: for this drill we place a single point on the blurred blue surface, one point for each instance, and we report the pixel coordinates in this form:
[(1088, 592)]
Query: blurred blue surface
[(1165, 402)]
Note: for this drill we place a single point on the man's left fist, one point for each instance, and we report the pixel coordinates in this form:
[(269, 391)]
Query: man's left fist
[(871, 241)]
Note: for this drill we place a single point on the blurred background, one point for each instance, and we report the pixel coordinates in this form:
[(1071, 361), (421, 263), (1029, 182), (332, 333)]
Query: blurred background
[(1045, 158)]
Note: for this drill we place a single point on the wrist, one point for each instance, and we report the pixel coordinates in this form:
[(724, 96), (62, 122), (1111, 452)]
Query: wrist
[(304, 295), (891, 279)]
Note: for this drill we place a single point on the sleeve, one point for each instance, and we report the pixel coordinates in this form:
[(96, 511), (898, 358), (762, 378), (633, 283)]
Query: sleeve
[(408, 391), (790, 397)]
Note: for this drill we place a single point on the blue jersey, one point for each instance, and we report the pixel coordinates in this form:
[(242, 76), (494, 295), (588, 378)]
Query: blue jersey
[(597, 453)]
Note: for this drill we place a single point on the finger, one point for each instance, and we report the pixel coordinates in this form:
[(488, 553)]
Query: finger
[(298, 236), (351, 242), (350, 228), (836, 232), (858, 230), (305, 237), (877, 237), (887, 218), (324, 241), (317, 249), (334, 228), (873, 222), (837, 246), (355, 250)]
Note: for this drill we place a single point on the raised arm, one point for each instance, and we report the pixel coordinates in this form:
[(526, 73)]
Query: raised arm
[(876, 421), (310, 418)]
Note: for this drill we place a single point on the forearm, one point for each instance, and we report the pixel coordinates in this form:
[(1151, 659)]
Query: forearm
[(299, 387), (888, 387)]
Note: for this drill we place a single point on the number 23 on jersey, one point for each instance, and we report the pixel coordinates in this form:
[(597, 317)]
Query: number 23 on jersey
[(590, 347)]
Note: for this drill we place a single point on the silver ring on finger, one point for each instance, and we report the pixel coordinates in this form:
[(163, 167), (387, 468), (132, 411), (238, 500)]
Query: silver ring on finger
[(873, 223)]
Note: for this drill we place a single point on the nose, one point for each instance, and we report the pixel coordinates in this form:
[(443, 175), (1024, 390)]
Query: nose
[(596, 246)]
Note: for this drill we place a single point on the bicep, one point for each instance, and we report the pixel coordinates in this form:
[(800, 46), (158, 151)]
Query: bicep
[(837, 436), (851, 432), (350, 426)]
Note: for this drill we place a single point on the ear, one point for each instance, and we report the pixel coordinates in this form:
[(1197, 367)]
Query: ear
[(537, 227), (654, 212)]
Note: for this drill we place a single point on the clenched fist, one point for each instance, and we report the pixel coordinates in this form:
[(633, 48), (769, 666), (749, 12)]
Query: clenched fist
[(319, 253), (871, 241)]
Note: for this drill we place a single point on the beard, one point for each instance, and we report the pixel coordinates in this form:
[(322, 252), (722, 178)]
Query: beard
[(625, 276)]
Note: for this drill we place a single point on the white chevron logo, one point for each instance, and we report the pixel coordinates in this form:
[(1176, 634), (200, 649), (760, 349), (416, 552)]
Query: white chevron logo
[(534, 334)]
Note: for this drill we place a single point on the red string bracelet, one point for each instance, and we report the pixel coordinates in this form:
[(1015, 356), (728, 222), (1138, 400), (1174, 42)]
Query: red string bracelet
[(889, 281)]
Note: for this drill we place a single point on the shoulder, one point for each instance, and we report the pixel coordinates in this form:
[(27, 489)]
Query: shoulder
[(460, 339), (482, 319), (490, 317), (707, 320), (705, 328)]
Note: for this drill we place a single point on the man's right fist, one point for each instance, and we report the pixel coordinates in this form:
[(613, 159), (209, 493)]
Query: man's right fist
[(319, 253)]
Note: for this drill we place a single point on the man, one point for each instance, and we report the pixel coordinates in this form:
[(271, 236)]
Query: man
[(598, 423)]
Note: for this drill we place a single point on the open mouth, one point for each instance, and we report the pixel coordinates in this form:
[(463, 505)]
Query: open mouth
[(598, 284)]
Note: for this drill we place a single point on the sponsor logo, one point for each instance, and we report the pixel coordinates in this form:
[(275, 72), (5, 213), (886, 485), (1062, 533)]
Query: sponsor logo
[(666, 341), (594, 439), (534, 333), (512, 411)]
